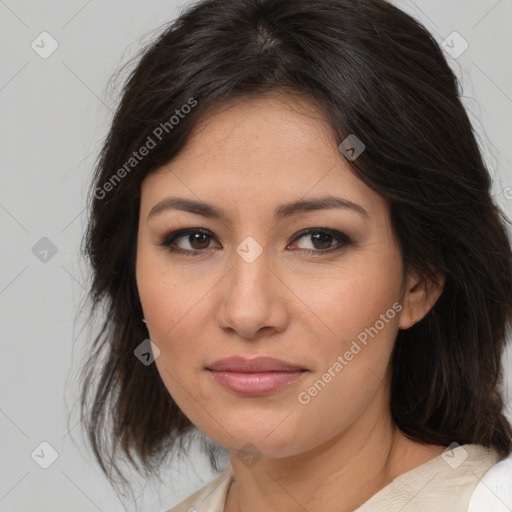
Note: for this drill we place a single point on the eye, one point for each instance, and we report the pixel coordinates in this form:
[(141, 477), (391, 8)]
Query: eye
[(322, 240), (198, 239)]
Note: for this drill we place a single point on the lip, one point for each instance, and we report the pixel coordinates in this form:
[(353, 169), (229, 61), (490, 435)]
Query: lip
[(258, 364), (254, 377)]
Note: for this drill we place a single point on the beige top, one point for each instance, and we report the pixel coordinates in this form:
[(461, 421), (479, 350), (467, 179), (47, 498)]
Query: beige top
[(443, 484)]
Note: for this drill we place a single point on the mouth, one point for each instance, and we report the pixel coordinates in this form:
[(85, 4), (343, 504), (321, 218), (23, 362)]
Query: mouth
[(254, 377)]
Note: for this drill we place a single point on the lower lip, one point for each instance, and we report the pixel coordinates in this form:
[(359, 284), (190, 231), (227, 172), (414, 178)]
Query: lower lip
[(253, 384)]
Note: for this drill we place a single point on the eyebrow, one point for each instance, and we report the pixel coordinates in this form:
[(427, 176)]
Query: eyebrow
[(281, 212)]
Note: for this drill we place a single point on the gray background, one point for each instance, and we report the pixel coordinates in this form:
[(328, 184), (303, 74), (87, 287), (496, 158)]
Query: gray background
[(54, 113)]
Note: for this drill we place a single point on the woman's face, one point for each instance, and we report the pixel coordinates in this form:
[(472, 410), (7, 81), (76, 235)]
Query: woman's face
[(253, 283)]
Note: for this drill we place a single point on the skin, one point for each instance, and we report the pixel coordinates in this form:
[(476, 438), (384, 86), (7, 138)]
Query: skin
[(248, 158)]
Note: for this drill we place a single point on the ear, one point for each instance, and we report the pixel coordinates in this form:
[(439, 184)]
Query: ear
[(420, 295)]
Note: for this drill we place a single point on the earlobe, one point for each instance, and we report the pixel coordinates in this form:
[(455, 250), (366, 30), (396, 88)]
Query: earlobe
[(420, 295)]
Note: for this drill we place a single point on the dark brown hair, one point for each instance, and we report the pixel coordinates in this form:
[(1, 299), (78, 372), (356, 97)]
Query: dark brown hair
[(372, 71)]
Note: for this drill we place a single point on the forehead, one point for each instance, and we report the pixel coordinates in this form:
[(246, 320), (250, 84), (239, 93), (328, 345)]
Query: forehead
[(251, 131), (270, 149)]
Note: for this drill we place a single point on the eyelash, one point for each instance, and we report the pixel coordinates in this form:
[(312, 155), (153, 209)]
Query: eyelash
[(169, 239)]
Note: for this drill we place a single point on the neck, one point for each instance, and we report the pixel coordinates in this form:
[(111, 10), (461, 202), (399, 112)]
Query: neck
[(340, 475)]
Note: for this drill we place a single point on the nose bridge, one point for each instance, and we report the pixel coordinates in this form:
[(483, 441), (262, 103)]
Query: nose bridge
[(250, 298), (249, 275)]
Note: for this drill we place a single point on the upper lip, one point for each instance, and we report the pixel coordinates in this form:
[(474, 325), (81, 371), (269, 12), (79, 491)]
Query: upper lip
[(258, 364)]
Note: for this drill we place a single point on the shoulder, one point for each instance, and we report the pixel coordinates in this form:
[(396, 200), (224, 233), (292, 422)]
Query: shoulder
[(494, 491), (210, 498)]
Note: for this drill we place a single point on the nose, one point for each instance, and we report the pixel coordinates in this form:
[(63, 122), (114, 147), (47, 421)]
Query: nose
[(252, 300)]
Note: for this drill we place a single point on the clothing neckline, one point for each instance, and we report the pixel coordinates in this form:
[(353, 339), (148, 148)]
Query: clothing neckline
[(460, 467)]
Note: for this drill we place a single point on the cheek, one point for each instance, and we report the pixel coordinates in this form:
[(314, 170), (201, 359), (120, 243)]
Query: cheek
[(362, 312), (171, 325), (335, 401), (357, 312), (174, 308), (362, 304), (352, 364), (165, 309), (167, 296)]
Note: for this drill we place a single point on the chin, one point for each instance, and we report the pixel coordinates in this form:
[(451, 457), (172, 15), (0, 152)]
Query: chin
[(265, 442)]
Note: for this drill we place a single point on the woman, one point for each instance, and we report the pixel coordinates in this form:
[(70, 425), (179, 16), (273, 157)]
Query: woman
[(291, 205)]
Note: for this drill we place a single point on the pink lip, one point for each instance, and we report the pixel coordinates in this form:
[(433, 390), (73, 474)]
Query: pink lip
[(254, 377), (258, 364)]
